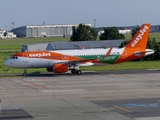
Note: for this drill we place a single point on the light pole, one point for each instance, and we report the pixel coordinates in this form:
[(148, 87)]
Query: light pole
[(94, 23)]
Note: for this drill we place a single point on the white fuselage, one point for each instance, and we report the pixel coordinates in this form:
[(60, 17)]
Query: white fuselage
[(29, 62), (38, 62)]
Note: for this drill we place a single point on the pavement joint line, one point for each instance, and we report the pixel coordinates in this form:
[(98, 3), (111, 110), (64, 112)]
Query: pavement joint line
[(120, 108)]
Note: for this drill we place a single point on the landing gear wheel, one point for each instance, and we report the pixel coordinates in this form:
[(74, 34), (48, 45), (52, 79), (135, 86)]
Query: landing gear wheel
[(73, 71), (79, 72), (24, 74)]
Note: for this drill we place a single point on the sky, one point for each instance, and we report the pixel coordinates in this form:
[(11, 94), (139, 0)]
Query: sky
[(103, 13)]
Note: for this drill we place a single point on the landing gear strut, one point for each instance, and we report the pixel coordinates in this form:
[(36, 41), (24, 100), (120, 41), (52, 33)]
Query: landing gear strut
[(25, 72)]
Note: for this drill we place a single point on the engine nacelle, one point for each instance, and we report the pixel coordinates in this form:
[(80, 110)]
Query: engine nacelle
[(50, 69), (58, 68)]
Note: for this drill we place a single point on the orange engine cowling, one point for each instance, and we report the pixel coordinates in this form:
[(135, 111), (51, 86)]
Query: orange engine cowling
[(58, 68)]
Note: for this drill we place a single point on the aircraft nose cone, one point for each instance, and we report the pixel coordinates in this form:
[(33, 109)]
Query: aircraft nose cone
[(7, 63)]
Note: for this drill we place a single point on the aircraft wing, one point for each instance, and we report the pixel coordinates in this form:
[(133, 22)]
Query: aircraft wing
[(77, 62)]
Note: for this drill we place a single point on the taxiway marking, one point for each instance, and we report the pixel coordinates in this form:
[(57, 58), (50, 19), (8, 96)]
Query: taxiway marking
[(120, 108), (34, 84)]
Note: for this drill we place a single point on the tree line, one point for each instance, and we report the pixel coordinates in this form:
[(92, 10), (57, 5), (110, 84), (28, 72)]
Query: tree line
[(87, 33)]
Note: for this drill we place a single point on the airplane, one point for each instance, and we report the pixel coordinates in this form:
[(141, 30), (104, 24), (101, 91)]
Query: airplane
[(61, 61)]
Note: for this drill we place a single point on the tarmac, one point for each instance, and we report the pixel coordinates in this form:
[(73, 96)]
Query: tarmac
[(104, 95)]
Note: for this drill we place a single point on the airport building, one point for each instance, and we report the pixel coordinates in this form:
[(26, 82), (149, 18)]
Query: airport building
[(129, 29), (35, 47), (72, 45), (60, 30), (6, 34), (65, 30)]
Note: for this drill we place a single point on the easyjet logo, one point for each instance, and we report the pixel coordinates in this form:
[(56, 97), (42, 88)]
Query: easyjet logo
[(139, 37), (40, 55)]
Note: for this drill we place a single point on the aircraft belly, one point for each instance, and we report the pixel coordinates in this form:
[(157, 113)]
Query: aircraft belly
[(38, 63)]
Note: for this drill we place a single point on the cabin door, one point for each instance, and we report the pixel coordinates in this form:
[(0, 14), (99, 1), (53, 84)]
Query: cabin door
[(25, 58)]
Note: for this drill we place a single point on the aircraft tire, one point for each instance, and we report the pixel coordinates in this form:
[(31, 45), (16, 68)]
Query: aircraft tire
[(73, 71), (24, 74), (79, 72)]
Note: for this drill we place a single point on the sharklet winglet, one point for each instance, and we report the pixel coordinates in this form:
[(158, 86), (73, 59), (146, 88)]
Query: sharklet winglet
[(108, 53)]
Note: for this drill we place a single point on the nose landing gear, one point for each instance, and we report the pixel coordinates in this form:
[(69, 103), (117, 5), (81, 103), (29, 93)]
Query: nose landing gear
[(25, 72)]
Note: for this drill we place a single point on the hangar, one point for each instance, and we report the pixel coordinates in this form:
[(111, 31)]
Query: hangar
[(72, 45), (59, 30), (84, 44), (35, 47)]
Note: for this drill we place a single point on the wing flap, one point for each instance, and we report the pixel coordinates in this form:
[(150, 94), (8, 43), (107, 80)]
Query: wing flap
[(77, 62)]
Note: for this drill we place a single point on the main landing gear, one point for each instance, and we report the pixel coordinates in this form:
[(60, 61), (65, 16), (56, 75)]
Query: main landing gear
[(25, 72), (74, 71)]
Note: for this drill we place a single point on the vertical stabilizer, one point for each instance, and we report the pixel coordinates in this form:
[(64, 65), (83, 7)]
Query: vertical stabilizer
[(140, 38), (136, 48)]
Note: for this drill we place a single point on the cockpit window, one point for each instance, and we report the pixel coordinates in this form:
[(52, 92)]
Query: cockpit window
[(14, 57)]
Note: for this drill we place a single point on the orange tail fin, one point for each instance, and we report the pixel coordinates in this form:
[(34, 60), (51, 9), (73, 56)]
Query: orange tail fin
[(137, 39)]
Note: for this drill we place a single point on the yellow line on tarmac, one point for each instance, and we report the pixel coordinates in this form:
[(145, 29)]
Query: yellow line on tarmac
[(10, 77), (122, 109), (158, 100)]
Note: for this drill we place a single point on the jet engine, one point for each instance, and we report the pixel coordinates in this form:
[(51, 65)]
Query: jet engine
[(58, 68)]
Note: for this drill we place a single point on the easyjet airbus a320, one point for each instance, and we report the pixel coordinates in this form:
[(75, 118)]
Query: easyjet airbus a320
[(60, 61)]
